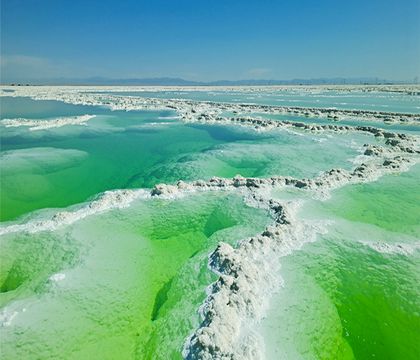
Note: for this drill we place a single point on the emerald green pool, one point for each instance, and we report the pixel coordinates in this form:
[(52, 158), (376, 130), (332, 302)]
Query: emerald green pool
[(343, 299), (129, 281)]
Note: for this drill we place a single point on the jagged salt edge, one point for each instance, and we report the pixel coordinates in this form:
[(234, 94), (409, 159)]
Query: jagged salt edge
[(393, 249), (123, 198), (38, 124), (115, 199), (388, 90), (122, 103), (6, 317), (112, 199), (264, 265)]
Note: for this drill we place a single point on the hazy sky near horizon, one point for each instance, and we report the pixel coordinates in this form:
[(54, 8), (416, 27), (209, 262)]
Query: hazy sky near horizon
[(210, 40)]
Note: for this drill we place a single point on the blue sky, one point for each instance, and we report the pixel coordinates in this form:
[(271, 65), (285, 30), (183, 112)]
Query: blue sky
[(210, 40)]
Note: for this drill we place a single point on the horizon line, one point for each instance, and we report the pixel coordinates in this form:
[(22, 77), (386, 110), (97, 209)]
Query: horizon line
[(178, 81)]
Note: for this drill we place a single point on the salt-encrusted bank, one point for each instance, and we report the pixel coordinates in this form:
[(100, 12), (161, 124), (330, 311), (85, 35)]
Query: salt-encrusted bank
[(47, 124), (190, 109), (383, 161), (115, 199)]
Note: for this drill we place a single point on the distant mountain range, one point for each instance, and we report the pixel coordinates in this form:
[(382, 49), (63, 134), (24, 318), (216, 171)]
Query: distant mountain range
[(168, 81)]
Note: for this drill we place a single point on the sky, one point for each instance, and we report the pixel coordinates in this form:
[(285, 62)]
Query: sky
[(209, 40)]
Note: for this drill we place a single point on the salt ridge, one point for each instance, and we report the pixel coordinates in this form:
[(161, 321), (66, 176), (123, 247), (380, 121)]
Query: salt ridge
[(47, 124), (183, 106), (116, 199)]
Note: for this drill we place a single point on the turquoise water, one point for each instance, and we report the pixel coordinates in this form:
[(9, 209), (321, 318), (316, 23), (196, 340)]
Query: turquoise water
[(63, 166), (15, 107), (115, 150)]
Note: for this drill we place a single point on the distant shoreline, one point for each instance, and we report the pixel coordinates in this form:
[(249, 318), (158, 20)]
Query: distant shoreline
[(212, 85), (167, 81)]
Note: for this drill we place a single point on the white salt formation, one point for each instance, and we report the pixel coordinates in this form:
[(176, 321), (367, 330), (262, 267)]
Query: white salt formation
[(47, 124)]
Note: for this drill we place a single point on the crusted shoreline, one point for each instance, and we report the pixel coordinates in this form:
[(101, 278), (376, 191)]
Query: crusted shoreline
[(319, 186), (193, 108), (38, 124)]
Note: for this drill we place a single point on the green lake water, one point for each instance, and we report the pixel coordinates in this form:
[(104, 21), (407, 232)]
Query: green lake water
[(133, 279), (342, 299)]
